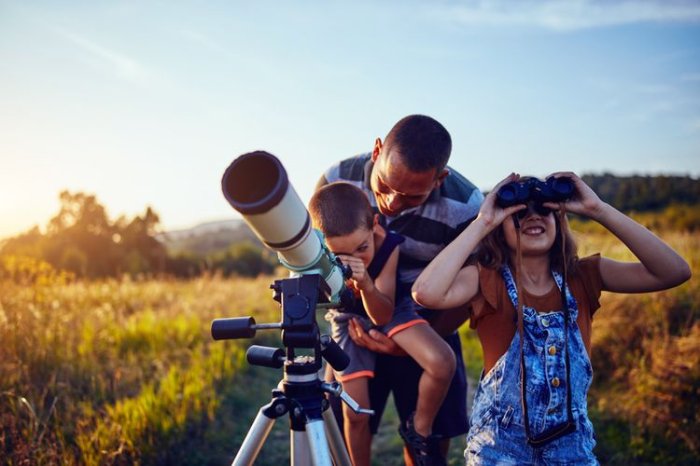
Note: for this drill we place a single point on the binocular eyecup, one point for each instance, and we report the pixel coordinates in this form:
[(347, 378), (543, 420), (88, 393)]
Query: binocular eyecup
[(535, 190)]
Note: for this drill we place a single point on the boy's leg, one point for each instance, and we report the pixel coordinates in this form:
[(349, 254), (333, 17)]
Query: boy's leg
[(357, 431), (437, 360)]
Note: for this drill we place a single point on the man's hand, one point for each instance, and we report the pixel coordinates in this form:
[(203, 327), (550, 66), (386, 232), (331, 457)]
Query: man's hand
[(373, 340)]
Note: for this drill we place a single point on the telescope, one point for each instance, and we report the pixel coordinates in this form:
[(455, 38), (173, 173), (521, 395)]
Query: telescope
[(256, 185)]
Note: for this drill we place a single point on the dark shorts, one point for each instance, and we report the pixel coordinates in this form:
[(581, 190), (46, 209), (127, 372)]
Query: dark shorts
[(400, 376), (402, 319), (362, 360)]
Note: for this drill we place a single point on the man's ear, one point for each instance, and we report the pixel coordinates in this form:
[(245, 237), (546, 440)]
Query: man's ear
[(377, 228), (441, 177), (377, 149)]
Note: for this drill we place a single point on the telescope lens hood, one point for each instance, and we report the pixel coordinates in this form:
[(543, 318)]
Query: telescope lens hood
[(255, 183)]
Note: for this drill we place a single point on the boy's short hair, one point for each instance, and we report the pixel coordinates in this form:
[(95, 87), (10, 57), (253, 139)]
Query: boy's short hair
[(338, 209), (421, 142)]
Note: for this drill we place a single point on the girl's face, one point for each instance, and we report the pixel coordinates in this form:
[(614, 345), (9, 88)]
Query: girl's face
[(538, 233)]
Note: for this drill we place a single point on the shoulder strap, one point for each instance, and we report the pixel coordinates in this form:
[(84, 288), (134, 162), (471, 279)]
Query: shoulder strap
[(390, 243)]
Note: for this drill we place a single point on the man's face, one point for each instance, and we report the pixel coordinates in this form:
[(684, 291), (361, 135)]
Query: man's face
[(397, 188)]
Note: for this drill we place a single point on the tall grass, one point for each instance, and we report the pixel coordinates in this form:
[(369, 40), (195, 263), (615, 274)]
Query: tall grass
[(125, 372), (115, 372), (645, 399)]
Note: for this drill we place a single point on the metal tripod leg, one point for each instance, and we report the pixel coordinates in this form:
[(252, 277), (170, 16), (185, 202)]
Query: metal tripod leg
[(318, 443), (300, 454), (335, 440), (313, 447), (254, 439)]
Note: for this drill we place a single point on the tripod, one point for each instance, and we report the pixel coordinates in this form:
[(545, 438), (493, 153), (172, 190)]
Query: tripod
[(314, 435)]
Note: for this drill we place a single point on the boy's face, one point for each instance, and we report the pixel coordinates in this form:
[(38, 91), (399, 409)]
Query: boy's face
[(359, 244)]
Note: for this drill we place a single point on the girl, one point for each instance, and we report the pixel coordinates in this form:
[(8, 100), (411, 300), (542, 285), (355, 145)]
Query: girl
[(532, 303)]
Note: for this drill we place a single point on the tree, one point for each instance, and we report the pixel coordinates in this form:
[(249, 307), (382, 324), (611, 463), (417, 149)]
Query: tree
[(81, 239)]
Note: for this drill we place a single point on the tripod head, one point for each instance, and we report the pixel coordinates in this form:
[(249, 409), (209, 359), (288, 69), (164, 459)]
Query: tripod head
[(299, 299)]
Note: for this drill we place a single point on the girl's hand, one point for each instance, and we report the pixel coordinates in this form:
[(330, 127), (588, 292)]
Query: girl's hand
[(490, 213), (360, 278), (584, 201)]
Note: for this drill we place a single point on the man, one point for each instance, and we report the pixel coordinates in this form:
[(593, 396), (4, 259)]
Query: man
[(407, 182)]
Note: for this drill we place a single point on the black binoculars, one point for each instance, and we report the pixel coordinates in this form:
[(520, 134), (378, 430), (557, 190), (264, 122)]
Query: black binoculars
[(535, 191)]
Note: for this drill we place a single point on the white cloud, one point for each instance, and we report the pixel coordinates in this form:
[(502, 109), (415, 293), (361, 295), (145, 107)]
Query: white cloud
[(206, 41), (124, 66), (571, 15)]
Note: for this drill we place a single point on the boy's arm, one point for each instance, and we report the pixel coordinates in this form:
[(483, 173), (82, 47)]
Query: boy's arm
[(659, 266), (377, 295), (379, 298)]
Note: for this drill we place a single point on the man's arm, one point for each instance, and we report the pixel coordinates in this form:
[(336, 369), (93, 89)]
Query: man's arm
[(447, 321)]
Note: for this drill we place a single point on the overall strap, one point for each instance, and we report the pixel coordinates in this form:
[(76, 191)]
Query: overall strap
[(570, 307), (512, 290), (391, 241)]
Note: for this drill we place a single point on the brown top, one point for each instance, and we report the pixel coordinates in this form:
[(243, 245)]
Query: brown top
[(493, 314)]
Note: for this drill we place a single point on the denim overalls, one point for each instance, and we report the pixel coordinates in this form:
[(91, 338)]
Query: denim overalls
[(497, 434)]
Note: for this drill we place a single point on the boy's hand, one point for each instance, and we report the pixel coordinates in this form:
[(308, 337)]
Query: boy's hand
[(360, 278), (374, 340)]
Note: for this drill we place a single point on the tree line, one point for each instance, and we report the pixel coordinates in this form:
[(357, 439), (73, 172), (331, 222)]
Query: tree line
[(81, 238), (645, 193)]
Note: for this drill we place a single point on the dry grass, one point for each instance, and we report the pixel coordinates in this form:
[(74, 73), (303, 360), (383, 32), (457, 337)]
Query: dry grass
[(125, 372)]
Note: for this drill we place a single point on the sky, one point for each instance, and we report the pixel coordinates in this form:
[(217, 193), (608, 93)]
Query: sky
[(145, 103)]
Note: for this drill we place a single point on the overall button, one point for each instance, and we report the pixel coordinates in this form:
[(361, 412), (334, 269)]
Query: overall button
[(545, 322), (552, 350), (555, 382)]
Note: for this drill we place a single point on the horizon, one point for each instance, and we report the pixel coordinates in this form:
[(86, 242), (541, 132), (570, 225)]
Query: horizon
[(143, 106), (236, 216)]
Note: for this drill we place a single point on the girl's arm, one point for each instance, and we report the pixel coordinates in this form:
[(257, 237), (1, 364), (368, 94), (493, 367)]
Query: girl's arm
[(446, 283), (659, 266)]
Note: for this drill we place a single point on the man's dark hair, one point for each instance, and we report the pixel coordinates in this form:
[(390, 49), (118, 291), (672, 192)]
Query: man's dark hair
[(338, 209), (422, 143)]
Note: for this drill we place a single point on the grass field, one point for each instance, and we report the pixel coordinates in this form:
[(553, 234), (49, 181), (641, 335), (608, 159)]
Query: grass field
[(125, 372)]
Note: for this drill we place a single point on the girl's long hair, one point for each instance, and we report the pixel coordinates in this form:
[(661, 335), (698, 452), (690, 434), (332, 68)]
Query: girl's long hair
[(494, 252)]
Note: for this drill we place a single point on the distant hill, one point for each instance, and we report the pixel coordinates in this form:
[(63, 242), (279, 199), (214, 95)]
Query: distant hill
[(207, 238), (628, 193)]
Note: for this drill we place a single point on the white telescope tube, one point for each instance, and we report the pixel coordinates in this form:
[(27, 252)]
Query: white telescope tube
[(256, 185)]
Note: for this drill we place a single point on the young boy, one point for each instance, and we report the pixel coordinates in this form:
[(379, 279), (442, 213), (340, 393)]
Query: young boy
[(343, 214)]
